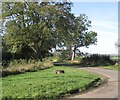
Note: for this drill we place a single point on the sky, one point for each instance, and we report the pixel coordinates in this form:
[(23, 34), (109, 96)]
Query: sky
[(104, 17)]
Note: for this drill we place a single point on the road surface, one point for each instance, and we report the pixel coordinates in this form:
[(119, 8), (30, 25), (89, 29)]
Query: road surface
[(108, 90)]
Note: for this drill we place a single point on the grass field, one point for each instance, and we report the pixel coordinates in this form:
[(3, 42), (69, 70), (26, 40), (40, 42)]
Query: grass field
[(45, 84), (112, 67), (115, 58)]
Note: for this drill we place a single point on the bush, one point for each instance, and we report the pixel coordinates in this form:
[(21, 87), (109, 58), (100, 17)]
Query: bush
[(21, 66), (97, 60), (6, 55), (65, 55)]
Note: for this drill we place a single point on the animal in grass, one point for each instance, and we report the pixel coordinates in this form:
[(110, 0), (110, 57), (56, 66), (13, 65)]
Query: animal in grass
[(59, 71)]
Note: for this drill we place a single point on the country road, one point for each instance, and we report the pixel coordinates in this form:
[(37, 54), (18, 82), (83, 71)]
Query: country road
[(108, 90)]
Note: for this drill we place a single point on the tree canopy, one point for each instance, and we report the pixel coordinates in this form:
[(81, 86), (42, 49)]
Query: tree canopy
[(32, 29), (82, 36)]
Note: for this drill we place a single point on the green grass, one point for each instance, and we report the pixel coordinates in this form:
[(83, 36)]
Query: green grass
[(115, 58), (45, 84), (112, 67)]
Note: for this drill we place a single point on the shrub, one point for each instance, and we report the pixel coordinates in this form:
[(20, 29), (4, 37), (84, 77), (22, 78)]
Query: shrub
[(65, 55), (97, 60), (21, 66)]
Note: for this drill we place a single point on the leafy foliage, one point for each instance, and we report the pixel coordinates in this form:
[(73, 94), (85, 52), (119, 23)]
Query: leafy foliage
[(97, 60), (33, 29), (65, 54), (81, 35)]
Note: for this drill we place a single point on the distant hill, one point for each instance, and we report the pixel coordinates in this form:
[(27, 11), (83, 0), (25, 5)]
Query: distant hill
[(112, 55)]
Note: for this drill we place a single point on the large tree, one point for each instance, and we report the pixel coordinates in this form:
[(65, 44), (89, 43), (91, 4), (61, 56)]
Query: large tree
[(33, 29), (82, 36)]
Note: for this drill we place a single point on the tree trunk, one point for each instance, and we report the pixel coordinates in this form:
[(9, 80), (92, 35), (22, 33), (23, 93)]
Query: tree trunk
[(73, 54)]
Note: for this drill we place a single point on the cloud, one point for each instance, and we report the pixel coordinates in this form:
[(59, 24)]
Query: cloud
[(105, 24)]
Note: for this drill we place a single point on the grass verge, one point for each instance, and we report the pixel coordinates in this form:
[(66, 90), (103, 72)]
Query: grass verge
[(45, 84), (112, 67)]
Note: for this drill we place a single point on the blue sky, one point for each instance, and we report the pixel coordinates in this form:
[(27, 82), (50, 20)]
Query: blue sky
[(104, 17)]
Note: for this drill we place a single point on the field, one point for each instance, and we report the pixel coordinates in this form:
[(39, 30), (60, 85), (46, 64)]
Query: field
[(112, 67), (45, 84)]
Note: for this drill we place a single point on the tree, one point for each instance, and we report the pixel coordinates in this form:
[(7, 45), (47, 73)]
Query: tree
[(82, 36), (33, 29)]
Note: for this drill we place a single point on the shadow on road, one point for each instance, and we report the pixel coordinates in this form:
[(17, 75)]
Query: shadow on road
[(65, 64)]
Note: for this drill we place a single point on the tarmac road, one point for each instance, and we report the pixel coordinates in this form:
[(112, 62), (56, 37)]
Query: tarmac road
[(108, 90)]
